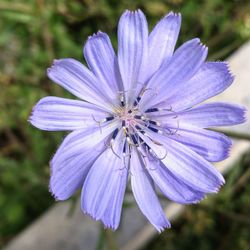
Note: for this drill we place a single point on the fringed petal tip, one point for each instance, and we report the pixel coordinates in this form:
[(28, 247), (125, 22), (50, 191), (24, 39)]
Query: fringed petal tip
[(55, 62), (109, 226), (222, 182), (160, 229), (57, 195), (60, 63), (194, 201), (229, 148), (203, 197), (127, 11), (92, 216), (174, 14), (131, 13), (202, 46), (244, 114), (228, 71), (198, 42), (106, 225), (163, 227), (219, 186), (32, 122), (225, 67), (52, 67), (32, 119), (33, 111), (53, 194), (99, 33), (217, 189)]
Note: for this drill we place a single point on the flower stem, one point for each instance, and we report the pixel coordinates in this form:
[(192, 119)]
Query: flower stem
[(110, 239)]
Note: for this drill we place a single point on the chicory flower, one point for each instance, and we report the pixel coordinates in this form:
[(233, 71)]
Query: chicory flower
[(138, 119)]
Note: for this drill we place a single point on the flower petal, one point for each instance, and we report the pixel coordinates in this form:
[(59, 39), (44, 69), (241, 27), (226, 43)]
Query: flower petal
[(77, 79), (172, 187), (132, 50), (185, 164), (211, 145), (185, 62), (145, 195), (55, 113), (105, 185), (102, 61), (162, 41), (211, 115), (74, 158), (211, 79)]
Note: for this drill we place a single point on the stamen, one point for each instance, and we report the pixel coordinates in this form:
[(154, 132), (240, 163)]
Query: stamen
[(123, 124), (110, 118), (122, 99), (147, 148), (135, 141), (154, 123), (112, 141), (127, 136), (151, 110), (124, 148), (140, 129), (136, 102), (140, 117), (115, 134), (153, 129)]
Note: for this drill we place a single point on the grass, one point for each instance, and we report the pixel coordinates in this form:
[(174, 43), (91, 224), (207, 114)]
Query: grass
[(33, 33)]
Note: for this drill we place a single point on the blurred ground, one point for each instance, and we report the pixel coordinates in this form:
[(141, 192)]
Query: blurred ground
[(32, 34)]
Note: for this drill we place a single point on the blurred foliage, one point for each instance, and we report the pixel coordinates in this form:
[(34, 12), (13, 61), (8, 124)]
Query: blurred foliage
[(33, 33), (221, 222)]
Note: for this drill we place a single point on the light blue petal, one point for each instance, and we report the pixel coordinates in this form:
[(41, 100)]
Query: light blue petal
[(162, 42), (55, 113), (211, 115), (211, 79), (104, 187), (102, 61), (185, 164), (132, 50), (211, 145), (144, 193), (74, 158), (172, 187), (183, 65), (78, 80)]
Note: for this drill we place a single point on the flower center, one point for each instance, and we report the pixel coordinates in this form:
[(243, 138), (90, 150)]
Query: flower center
[(137, 127)]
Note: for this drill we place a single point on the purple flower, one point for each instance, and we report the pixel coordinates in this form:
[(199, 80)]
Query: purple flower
[(137, 119)]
